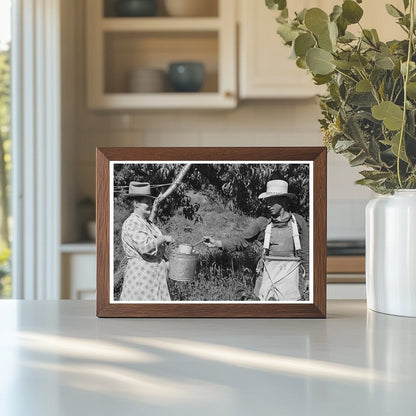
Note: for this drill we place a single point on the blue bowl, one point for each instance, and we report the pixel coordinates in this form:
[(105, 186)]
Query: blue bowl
[(135, 8), (186, 76)]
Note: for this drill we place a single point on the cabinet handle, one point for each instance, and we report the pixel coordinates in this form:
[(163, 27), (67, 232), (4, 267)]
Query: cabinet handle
[(229, 94)]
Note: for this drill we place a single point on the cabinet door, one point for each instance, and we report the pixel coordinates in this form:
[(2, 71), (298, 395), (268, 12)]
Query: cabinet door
[(266, 71), (78, 276)]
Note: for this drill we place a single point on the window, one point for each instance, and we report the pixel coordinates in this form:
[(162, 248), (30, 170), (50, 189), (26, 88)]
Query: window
[(5, 147)]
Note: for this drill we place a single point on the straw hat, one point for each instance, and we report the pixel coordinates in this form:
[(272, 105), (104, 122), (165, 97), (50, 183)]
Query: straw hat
[(276, 188), (139, 189)]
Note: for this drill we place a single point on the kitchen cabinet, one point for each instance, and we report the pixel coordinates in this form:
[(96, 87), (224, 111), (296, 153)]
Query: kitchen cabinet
[(346, 274), (265, 70), (118, 45), (78, 263)]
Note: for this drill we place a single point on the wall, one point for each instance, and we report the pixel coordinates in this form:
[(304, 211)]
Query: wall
[(253, 123)]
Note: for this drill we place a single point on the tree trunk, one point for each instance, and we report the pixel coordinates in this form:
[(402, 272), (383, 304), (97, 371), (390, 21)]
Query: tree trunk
[(178, 180), (4, 196)]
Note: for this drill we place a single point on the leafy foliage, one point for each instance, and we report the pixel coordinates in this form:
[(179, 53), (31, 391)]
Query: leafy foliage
[(369, 111), (5, 167), (236, 185)]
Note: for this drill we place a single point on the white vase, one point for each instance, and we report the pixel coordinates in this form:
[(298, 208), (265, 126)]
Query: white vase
[(391, 253)]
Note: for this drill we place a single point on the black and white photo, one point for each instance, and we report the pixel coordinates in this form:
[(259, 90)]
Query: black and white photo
[(211, 232)]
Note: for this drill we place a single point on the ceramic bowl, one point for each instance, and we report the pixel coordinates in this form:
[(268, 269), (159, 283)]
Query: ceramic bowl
[(147, 80), (135, 8), (186, 76)]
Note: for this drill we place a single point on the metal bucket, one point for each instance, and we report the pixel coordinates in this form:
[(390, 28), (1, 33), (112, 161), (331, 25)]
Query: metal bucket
[(182, 266)]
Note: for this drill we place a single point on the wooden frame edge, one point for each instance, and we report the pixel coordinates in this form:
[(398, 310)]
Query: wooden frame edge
[(317, 309)]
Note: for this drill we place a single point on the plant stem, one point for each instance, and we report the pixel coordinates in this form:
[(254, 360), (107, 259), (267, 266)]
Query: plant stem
[(406, 79), (346, 75)]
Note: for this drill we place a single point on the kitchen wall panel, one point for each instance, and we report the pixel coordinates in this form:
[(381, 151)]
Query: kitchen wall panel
[(253, 123)]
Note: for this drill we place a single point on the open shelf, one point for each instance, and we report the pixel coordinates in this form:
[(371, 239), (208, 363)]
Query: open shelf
[(210, 9), (116, 46), (160, 24), (127, 51)]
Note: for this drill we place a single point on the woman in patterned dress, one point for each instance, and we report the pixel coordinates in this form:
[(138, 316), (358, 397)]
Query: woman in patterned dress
[(145, 277)]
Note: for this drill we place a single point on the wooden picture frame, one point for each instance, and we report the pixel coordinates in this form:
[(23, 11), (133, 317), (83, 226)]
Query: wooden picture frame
[(275, 159)]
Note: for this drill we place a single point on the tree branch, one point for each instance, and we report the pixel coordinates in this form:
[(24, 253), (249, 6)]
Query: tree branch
[(178, 180)]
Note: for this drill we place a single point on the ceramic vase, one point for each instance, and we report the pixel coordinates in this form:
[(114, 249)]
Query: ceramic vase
[(391, 253)]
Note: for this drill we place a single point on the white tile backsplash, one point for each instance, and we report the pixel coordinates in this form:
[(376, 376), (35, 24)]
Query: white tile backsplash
[(346, 219), (257, 123)]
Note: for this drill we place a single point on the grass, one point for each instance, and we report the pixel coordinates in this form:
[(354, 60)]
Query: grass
[(220, 276)]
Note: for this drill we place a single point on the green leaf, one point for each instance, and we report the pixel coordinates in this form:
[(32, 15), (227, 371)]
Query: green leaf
[(343, 145), (325, 42), (333, 32), (276, 4), (365, 182), (319, 61), (316, 20), (287, 33), (359, 160), (321, 79), (412, 67), (384, 62), (342, 25), (301, 63), (344, 65), (395, 141), (411, 90), (301, 15), (358, 61), (347, 37), (391, 114), (368, 36), (374, 174), (374, 150), (351, 11), (336, 12), (281, 19), (393, 11), (375, 35), (353, 131), (406, 4), (303, 43), (363, 86)]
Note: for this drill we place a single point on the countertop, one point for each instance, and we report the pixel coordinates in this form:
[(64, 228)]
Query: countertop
[(57, 358)]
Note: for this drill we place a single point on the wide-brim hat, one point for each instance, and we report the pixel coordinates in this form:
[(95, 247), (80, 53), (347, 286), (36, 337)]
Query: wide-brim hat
[(276, 188), (139, 189)]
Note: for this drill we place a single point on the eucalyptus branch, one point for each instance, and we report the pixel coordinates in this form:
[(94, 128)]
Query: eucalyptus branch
[(392, 90), (346, 75), (373, 88), (406, 79)]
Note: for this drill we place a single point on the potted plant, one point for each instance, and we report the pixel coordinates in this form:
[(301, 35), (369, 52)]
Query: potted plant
[(369, 116)]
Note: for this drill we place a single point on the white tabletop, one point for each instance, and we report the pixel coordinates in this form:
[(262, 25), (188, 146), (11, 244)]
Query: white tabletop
[(57, 358)]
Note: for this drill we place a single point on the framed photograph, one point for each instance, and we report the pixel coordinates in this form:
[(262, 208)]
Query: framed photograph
[(211, 232)]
